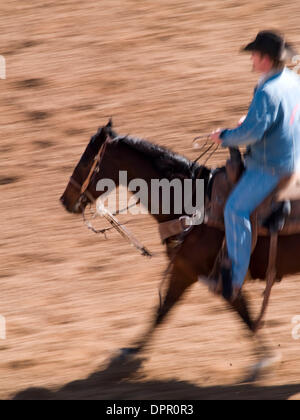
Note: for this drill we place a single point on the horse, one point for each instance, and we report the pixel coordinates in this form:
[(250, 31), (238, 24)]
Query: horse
[(198, 252)]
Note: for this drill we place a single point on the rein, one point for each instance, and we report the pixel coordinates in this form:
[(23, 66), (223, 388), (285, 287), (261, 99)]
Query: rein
[(105, 212), (206, 137), (180, 227), (185, 222)]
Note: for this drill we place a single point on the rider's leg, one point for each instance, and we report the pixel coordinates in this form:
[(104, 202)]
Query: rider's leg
[(250, 192)]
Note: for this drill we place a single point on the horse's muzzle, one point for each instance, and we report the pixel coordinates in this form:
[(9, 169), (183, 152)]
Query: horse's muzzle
[(64, 203), (78, 207)]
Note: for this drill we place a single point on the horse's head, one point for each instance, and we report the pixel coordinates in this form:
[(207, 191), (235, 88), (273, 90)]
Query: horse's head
[(74, 199)]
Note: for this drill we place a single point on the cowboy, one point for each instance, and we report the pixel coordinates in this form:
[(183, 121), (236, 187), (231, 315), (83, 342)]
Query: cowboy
[(271, 130)]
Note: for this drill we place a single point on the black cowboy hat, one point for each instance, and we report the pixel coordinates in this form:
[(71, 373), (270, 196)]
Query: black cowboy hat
[(273, 44)]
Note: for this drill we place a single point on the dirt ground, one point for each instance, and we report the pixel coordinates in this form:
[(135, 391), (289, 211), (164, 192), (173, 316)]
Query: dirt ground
[(166, 71)]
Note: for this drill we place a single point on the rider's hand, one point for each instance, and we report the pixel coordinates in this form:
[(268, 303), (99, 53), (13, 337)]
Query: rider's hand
[(215, 136)]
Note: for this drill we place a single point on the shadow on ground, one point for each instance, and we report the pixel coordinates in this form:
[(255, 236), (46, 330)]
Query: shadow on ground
[(117, 382)]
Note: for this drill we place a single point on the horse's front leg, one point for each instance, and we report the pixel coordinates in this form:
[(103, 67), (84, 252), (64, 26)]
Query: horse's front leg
[(179, 282)]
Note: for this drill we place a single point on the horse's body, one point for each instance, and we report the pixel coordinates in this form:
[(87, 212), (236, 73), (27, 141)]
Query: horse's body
[(198, 252)]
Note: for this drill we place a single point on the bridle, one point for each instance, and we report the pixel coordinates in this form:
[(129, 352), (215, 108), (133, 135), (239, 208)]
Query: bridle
[(85, 194)]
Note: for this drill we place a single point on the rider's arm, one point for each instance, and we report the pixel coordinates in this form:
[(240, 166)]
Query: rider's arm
[(261, 115)]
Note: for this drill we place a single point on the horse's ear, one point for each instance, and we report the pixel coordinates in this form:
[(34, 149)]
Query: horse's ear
[(110, 123)]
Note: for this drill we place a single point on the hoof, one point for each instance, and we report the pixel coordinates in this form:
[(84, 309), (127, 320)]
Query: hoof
[(127, 353), (263, 366), (122, 365), (268, 362)]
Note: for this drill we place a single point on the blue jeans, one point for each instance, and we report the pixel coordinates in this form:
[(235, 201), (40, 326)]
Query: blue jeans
[(250, 192)]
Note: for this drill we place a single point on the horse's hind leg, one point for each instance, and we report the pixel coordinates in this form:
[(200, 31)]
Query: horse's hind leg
[(263, 347), (179, 282)]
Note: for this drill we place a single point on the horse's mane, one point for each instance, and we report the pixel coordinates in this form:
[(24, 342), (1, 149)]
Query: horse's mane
[(169, 164), (95, 143)]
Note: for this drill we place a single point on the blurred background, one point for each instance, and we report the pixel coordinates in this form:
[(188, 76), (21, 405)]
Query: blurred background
[(166, 71)]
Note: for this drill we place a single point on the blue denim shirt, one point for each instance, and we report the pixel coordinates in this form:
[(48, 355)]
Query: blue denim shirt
[(271, 129)]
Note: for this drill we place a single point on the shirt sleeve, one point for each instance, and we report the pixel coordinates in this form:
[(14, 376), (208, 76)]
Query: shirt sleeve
[(261, 115)]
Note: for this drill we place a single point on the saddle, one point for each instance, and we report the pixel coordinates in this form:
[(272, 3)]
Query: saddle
[(280, 211)]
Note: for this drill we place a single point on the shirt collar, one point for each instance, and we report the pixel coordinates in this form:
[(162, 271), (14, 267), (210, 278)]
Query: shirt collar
[(265, 77)]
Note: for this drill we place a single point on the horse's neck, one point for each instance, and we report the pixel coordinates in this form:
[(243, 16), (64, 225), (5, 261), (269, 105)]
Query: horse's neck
[(137, 178), (139, 171)]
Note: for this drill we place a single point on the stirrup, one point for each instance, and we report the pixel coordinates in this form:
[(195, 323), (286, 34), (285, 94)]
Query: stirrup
[(226, 277)]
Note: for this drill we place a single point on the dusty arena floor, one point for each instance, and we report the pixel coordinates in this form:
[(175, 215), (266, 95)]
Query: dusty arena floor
[(166, 71)]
